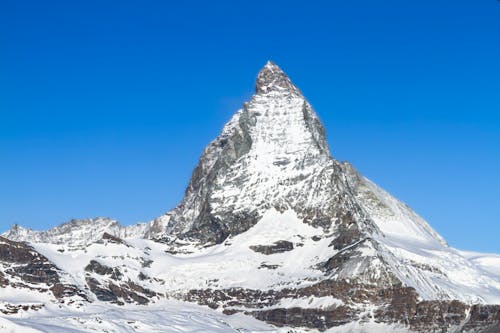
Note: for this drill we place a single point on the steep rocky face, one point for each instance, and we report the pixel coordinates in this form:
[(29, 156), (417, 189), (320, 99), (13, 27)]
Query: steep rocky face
[(343, 302), (23, 268), (272, 154)]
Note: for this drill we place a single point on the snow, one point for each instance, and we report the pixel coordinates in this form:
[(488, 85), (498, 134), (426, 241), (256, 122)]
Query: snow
[(73, 261), (9, 326), (281, 141), (421, 258), (168, 317), (489, 262), (78, 233), (12, 295), (396, 220), (234, 264), (311, 302), (370, 327)]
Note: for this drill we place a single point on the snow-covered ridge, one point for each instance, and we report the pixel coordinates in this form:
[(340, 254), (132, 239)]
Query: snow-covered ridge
[(77, 233)]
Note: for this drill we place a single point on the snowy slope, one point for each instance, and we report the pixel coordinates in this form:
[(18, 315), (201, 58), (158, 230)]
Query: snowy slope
[(436, 271), (77, 233), (419, 256), (168, 317), (489, 262)]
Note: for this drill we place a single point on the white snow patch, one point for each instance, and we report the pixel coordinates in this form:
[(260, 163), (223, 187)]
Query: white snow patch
[(311, 302), (169, 317)]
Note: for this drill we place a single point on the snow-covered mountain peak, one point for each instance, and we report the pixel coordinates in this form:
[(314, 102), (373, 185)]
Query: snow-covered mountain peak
[(74, 233), (266, 156), (272, 78)]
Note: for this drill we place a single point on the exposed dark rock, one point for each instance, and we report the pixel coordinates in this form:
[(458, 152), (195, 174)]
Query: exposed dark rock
[(299, 317), (3, 280), (19, 253), (137, 288), (102, 293), (127, 295), (316, 218), (15, 308), (36, 272), (213, 230), (146, 262), (29, 266), (33, 269), (272, 78), (346, 238), (113, 239), (395, 305), (127, 292), (438, 313), (316, 238), (61, 291), (97, 267), (485, 318), (208, 228), (347, 231), (277, 247), (112, 292), (268, 266), (338, 260)]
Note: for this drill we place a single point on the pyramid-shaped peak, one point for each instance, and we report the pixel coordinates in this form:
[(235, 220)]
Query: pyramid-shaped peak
[(272, 78), (273, 67)]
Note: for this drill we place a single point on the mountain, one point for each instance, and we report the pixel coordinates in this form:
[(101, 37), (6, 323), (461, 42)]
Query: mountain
[(77, 233), (273, 227)]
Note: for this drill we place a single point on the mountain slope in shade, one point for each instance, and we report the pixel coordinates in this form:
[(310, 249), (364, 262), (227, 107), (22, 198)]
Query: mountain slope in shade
[(274, 227)]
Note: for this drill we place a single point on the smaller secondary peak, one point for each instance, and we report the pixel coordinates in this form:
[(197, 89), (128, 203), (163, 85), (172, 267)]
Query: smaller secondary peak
[(272, 78)]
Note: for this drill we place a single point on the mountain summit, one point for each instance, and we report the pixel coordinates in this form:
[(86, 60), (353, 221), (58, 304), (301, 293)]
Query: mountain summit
[(267, 156), (274, 227), (271, 78)]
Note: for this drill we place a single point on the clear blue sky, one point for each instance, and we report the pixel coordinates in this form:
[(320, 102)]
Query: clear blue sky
[(105, 106)]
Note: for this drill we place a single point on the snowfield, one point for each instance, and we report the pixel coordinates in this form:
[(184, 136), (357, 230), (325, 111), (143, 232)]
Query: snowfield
[(170, 316), (167, 317)]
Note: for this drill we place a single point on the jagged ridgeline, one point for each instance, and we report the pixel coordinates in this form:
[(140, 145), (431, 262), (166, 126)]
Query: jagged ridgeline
[(271, 226)]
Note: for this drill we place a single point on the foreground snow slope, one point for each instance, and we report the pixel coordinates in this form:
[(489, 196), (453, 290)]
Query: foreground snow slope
[(174, 317), (168, 317)]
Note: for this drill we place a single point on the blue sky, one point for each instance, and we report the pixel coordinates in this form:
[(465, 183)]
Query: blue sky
[(105, 106)]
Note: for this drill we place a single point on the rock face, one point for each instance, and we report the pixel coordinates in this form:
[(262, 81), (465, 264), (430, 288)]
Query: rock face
[(22, 267), (272, 153), (271, 225)]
